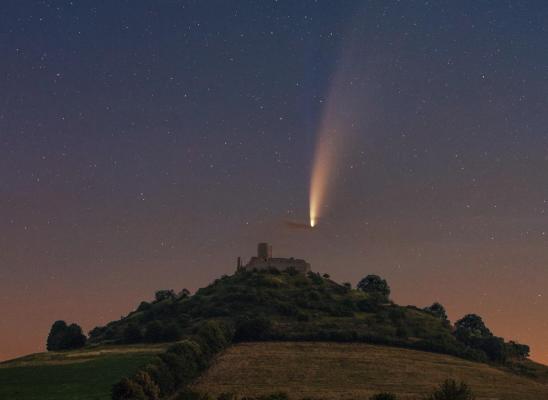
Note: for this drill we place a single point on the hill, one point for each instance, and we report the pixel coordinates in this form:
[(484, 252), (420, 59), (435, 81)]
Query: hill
[(165, 345), (295, 307), (274, 305), (354, 371)]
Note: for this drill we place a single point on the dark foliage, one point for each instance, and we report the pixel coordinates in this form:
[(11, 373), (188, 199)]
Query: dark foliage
[(374, 284), (63, 337), (132, 334), (162, 295), (252, 329), (177, 367), (437, 310), (517, 350), (451, 390), (127, 389)]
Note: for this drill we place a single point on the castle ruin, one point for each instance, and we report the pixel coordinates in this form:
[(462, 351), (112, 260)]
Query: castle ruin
[(264, 260)]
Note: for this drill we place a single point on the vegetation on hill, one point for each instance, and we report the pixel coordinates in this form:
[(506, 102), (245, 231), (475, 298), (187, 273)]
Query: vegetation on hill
[(273, 305), (65, 337)]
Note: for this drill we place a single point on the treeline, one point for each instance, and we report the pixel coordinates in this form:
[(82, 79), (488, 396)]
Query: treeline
[(177, 367)]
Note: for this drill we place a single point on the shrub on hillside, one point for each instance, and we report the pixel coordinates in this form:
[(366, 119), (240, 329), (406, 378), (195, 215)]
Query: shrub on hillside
[(162, 295), (451, 390), (177, 367), (252, 329), (127, 389), (156, 332), (65, 337), (517, 350), (368, 305), (160, 373), (438, 311), (150, 388), (213, 337), (374, 284), (132, 334)]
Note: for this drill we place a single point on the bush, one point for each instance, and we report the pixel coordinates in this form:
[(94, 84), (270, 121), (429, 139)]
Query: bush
[(451, 390), (383, 396), (191, 353), (368, 305), (127, 389), (160, 373), (154, 332), (132, 334), (162, 295), (437, 310), (144, 306), (252, 329), (150, 388), (63, 337), (172, 332), (213, 337), (179, 369), (374, 284), (517, 350)]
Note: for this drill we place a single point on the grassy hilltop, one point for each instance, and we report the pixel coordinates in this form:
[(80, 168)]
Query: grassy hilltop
[(313, 337)]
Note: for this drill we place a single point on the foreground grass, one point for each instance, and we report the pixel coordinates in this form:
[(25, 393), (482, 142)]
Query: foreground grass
[(355, 371), (79, 375)]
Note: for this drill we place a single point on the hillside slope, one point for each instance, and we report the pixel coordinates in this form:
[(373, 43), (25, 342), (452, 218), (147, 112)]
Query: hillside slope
[(354, 371), (86, 374)]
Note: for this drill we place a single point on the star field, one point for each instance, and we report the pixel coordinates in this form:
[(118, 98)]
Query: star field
[(146, 145)]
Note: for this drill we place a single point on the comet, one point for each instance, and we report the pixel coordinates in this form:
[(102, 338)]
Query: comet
[(347, 106)]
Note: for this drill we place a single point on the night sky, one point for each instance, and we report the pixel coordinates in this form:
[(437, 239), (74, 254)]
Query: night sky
[(146, 144)]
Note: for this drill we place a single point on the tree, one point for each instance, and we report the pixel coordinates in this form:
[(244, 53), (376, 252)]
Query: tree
[(56, 335), (472, 325), (451, 390), (517, 350), (162, 295), (183, 294), (132, 334), (154, 332), (65, 337), (437, 310), (374, 284)]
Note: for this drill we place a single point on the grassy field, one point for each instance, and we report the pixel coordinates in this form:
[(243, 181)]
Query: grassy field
[(77, 375), (355, 371)]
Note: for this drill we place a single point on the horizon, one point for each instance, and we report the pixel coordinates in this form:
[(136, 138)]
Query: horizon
[(146, 146)]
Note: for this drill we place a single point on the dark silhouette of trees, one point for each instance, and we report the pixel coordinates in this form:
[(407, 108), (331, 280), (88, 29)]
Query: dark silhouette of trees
[(162, 295), (132, 334), (65, 337), (472, 325), (374, 284), (471, 330)]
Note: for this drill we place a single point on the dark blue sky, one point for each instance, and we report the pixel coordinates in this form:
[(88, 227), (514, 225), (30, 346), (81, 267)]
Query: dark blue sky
[(147, 144)]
